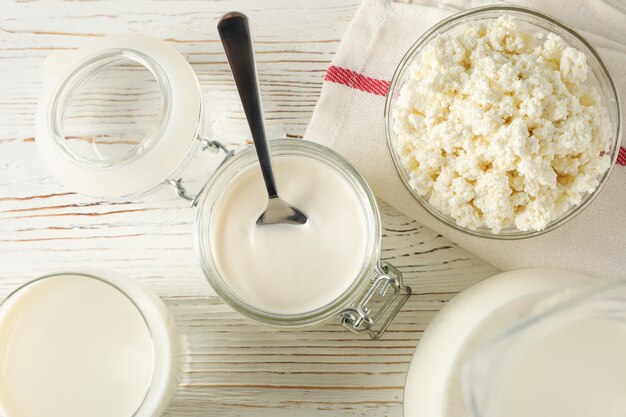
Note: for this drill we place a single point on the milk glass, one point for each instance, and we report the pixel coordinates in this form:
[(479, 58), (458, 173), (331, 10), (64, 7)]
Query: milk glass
[(562, 353), (165, 369)]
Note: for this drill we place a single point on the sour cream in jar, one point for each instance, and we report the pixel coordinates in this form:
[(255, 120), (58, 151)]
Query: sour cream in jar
[(284, 268), (292, 275)]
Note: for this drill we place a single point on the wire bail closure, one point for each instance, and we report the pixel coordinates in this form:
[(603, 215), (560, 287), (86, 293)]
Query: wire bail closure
[(387, 283), (213, 146)]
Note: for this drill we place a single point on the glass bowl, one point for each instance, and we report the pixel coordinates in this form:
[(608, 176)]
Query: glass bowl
[(534, 21)]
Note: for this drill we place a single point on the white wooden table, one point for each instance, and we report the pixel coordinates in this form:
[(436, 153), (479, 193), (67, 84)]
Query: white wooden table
[(232, 366)]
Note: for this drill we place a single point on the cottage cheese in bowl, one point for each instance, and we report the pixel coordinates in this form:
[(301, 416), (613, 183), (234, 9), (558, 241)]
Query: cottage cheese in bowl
[(498, 127)]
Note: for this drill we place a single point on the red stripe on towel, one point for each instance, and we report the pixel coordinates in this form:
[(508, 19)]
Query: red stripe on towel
[(353, 79), (621, 156)]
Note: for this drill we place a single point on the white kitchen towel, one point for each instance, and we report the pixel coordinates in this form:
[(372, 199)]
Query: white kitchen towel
[(349, 118)]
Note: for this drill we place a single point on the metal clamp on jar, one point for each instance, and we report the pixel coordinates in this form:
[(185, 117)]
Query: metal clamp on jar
[(153, 106)]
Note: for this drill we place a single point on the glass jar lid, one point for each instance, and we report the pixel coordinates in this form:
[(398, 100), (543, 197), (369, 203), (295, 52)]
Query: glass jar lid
[(118, 116)]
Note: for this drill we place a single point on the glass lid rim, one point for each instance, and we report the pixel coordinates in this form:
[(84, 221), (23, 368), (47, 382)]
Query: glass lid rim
[(89, 68), (159, 162)]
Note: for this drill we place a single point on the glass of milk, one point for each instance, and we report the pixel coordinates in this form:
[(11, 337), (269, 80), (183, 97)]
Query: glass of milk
[(563, 355), (89, 343), (122, 116)]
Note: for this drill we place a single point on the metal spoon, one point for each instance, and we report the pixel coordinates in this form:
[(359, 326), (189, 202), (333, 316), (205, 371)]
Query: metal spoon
[(235, 35)]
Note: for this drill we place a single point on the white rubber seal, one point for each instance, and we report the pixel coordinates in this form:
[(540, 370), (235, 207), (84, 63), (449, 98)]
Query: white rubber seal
[(161, 160)]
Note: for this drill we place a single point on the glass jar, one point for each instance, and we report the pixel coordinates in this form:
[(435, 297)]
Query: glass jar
[(351, 305), (122, 116), (599, 77), (165, 340)]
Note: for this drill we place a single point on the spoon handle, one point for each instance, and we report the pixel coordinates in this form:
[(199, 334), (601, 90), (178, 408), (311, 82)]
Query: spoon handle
[(235, 35)]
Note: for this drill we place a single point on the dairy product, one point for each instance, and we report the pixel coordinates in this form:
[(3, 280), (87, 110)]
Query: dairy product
[(290, 269), (497, 128), (73, 346), (578, 371), (434, 380)]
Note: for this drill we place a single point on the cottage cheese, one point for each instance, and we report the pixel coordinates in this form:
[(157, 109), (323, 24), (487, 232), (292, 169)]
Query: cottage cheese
[(496, 128)]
